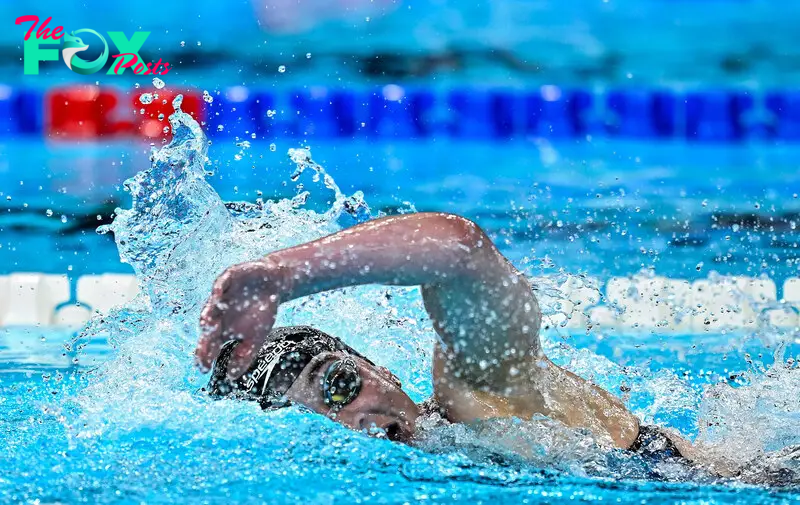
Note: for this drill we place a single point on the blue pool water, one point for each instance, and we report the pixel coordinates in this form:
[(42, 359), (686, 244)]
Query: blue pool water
[(115, 415), (668, 206)]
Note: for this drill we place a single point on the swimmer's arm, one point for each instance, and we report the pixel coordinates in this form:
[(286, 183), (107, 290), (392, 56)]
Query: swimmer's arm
[(704, 456), (481, 306)]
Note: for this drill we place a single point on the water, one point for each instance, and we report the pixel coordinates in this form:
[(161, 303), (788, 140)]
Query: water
[(116, 415), (667, 206)]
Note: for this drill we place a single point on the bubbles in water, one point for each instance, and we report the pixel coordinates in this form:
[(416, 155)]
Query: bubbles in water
[(161, 117), (270, 113), (282, 69), (308, 56), (273, 147), (166, 129), (178, 236), (207, 97), (49, 213), (158, 83), (183, 43), (63, 218), (141, 111), (146, 98)]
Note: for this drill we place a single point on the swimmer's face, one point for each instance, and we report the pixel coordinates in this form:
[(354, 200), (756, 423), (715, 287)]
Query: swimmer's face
[(373, 399)]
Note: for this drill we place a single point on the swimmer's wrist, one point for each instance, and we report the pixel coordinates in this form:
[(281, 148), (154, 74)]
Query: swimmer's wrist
[(278, 275)]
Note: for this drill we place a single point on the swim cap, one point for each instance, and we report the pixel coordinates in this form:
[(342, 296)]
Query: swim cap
[(279, 362)]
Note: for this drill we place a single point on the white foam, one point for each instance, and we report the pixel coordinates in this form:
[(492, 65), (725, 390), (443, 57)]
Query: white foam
[(640, 303), (103, 292), (650, 302), (32, 298), (730, 302)]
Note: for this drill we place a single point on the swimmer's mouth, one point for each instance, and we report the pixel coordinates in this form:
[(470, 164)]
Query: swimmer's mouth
[(393, 431), (399, 430)]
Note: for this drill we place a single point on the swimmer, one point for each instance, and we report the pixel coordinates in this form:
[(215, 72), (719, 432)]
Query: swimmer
[(488, 361)]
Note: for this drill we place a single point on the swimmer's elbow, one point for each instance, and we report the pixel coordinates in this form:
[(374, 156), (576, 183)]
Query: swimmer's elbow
[(462, 231), (467, 247)]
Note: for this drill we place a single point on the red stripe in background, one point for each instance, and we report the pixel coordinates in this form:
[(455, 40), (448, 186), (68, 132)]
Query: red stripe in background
[(88, 112)]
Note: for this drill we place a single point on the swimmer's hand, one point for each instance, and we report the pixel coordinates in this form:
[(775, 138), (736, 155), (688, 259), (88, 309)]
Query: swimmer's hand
[(242, 306), (481, 306)]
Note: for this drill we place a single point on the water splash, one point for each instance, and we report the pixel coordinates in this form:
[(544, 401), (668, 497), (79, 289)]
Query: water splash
[(179, 235)]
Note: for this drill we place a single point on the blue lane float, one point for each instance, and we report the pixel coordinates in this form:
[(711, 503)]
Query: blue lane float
[(321, 112), (21, 111), (553, 112), (717, 116), (640, 114), (785, 110), (394, 112)]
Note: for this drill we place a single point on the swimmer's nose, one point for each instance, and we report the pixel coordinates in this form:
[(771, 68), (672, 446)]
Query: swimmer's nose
[(396, 429)]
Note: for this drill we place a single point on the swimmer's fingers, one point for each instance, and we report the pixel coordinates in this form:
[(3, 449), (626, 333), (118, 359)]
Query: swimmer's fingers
[(211, 325), (209, 345), (251, 329)]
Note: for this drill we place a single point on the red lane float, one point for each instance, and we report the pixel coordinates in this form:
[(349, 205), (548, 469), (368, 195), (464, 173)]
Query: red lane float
[(148, 124), (88, 112)]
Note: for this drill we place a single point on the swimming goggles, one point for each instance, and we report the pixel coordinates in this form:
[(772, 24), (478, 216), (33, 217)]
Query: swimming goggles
[(341, 383)]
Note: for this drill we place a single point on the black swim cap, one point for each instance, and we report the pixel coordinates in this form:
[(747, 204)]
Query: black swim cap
[(281, 359)]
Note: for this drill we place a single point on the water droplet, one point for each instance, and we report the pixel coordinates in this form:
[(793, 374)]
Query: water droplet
[(199, 43), (161, 117), (49, 213), (141, 111), (158, 83), (183, 43), (282, 69), (136, 85), (270, 113), (63, 218), (146, 98), (220, 128), (208, 98), (273, 147), (237, 157), (308, 55), (166, 129), (252, 135)]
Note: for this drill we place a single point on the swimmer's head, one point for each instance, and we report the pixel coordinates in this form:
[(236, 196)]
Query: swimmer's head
[(303, 365)]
